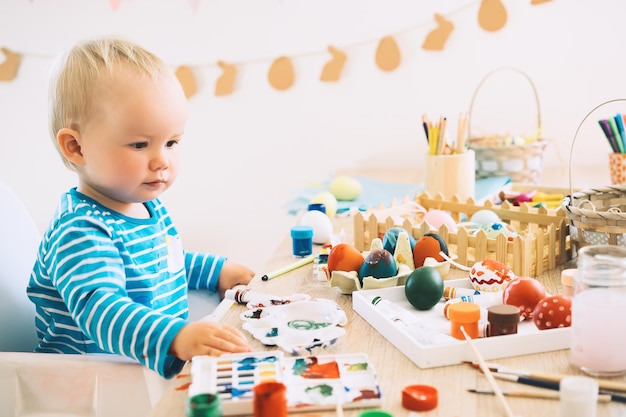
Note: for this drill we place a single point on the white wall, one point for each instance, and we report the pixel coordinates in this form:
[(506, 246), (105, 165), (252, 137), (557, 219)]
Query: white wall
[(245, 154)]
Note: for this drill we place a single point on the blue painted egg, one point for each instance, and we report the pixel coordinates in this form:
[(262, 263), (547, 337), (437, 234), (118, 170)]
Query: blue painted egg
[(390, 238), (379, 263)]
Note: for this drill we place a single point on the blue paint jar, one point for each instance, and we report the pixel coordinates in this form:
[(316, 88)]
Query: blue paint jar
[(302, 240), (317, 206)]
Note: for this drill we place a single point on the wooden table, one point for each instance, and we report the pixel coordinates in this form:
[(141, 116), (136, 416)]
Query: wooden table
[(394, 369)]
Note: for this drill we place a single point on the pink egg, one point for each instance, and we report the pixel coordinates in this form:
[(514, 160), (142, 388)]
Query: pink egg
[(437, 218)]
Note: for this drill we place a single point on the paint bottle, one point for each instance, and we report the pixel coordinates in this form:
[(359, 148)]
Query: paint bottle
[(466, 315), (204, 405), (503, 319), (270, 399), (579, 396), (302, 241)]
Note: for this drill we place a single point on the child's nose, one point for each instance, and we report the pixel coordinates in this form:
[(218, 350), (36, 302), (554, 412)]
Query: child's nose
[(159, 160)]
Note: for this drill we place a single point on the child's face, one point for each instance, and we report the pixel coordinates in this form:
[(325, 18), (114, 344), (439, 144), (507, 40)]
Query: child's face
[(130, 148)]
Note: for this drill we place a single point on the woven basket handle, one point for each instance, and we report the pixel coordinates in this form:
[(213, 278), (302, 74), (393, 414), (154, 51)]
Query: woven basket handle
[(571, 151), (485, 78)]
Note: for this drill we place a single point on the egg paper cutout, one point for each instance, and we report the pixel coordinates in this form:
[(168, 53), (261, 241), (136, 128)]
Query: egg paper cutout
[(281, 73), (492, 15), (387, 54)]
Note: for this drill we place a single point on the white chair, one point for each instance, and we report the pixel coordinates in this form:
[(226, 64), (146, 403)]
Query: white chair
[(49, 384), (19, 239)]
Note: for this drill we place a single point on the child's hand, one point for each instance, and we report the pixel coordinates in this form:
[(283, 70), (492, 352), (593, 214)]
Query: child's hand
[(233, 274), (207, 338)]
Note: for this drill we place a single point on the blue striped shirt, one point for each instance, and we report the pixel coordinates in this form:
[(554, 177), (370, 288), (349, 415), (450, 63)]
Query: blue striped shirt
[(104, 282)]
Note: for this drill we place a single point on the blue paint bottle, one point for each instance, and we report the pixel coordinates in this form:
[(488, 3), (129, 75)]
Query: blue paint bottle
[(302, 240)]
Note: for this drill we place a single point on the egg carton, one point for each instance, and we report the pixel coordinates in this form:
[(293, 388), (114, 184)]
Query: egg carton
[(542, 242)]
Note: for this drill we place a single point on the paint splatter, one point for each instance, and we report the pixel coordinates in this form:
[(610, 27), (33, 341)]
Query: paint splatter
[(324, 389), (183, 387), (353, 367), (309, 368)]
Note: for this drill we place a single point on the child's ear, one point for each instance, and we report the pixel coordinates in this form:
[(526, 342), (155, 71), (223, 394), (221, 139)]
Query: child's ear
[(68, 140)]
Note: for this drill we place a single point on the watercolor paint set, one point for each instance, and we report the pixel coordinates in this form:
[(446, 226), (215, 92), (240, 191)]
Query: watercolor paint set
[(313, 382)]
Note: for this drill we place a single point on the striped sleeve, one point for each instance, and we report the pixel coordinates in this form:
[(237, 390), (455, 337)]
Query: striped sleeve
[(203, 270), (86, 268)]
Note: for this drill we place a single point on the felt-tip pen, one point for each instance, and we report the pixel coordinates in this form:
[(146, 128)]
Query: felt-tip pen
[(288, 268)]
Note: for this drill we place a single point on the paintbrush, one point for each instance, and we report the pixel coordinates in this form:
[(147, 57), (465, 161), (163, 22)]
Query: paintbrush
[(602, 384), (488, 374), (549, 385), (550, 395)]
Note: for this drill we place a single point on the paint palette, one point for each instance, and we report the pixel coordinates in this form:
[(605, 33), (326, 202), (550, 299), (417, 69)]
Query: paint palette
[(297, 327), (313, 382)]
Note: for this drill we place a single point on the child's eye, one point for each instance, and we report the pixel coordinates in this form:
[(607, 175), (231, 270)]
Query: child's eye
[(139, 145), (171, 143)]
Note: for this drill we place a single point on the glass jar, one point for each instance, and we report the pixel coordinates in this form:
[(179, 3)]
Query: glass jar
[(599, 311)]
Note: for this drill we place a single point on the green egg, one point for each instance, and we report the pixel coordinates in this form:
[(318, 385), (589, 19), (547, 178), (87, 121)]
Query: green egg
[(424, 287)]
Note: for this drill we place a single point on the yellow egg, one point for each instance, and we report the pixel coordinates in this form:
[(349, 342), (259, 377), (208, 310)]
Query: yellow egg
[(345, 188), (329, 200)]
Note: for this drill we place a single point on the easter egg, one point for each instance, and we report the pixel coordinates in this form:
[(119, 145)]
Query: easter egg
[(379, 263), (327, 199), (484, 218), (344, 257), (424, 288), (553, 312), (524, 293), (490, 275), (345, 188), (437, 218), (321, 225), (428, 246), (390, 239), (495, 229)]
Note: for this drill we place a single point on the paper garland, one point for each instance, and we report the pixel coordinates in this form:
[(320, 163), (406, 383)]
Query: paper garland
[(492, 16), (436, 39), (8, 69)]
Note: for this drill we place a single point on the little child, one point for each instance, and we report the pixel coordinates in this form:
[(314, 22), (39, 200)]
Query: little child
[(111, 274)]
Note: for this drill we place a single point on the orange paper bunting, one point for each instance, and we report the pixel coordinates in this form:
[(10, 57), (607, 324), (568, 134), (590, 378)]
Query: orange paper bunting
[(8, 69), (187, 80), (281, 74), (387, 54), (437, 38), (225, 84), (533, 2), (492, 15), (332, 69)]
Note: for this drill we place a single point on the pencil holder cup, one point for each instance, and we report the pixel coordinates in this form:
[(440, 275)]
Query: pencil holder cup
[(451, 175), (617, 166)]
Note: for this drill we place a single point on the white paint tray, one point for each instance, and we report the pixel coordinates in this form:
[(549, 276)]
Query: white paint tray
[(423, 336)]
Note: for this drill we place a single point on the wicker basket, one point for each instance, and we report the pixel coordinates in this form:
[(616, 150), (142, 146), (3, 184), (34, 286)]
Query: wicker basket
[(496, 155), (598, 215)]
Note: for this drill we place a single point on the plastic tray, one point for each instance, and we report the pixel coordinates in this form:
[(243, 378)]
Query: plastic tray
[(423, 336)]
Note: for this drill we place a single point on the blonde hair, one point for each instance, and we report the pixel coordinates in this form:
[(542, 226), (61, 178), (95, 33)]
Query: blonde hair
[(78, 73)]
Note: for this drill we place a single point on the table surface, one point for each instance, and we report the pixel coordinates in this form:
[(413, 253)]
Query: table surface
[(395, 370)]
